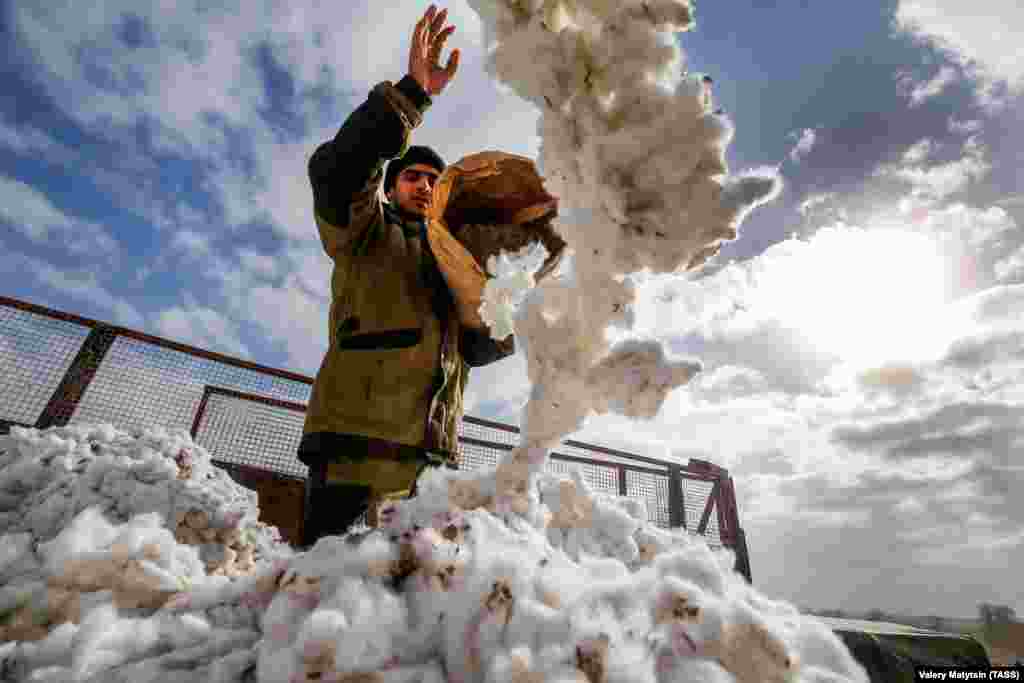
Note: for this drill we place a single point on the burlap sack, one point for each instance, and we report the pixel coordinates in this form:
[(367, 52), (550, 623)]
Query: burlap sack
[(484, 204)]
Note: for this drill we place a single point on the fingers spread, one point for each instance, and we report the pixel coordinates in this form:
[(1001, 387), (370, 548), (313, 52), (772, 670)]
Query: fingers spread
[(423, 25), (453, 64), (438, 44), (438, 21)]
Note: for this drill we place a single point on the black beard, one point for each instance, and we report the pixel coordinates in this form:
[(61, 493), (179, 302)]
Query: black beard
[(408, 214)]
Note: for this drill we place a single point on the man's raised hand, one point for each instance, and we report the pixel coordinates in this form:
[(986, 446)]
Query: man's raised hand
[(425, 54)]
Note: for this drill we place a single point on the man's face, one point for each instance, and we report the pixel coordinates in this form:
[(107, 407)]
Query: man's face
[(414, 188)]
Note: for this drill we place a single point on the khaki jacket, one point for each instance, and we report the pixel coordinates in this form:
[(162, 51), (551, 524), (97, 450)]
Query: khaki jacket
[(398, 359)]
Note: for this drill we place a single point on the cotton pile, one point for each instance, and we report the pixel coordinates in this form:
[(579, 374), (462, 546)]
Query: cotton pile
[(96, 523), (476, 580)]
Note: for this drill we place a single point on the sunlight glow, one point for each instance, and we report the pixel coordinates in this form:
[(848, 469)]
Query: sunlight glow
[(867, 296)]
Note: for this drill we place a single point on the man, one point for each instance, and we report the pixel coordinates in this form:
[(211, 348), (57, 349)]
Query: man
[(387, 399)]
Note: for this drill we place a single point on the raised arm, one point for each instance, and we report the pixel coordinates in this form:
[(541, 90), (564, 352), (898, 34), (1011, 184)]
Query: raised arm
[(346, 172)]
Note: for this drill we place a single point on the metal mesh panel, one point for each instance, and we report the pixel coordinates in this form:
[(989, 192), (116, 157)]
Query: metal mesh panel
[(143, 385), (485, 433), (600, 479), (251, 433), (592, 454), (652, 489), (35, 353), (475, 457), (695, 498)]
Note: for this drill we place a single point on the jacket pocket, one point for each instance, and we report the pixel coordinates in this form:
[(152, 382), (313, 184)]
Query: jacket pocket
[(368, 341)]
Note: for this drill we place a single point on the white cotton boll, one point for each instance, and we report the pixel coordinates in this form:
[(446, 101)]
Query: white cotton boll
[(696, 564), (106, 640), (621, 602), (544, 88), (54, 650), (636, 377), (635, 47), (95, 600), (574, 544), (429, 672), (635, 508), (160, 578), (671, 164), (692, 669), (231, 668), (89, 532), (50, 674), (556, 408), (144, 529), (509, 667), (613, 529), (374, 619), (703, 635), (504, 292), (19, 559), (12, 548), (630, 661), (473, 629), (284, 619), (206, 592), (373, 557), (563, 178), (534, 625), (278, 665), (667, 15), (318, 637), (762, 604), (652, 541), (181, 631)]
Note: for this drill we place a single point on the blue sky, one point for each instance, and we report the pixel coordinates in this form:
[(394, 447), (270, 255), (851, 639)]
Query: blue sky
[(153, 174)]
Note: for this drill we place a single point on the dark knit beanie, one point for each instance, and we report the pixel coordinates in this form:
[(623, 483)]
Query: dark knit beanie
[(416, 154)]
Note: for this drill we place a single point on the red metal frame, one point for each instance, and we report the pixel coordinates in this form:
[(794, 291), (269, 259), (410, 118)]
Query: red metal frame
[(64, 401)]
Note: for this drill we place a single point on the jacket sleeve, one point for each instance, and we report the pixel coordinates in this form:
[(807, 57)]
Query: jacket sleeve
[(346, 172), (479, 349)]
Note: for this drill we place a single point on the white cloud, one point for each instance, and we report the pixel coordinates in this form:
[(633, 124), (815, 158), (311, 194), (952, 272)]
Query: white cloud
[(937, 181), (31, 213), (200, 326), (919, 151), (964, 127), (193, 244), (815, 200), (502, 383), (924, 91), (80, 285), (803, 307), (28, 140), (981, 37), (292, 313), (931, 438), (804, 145), (1012, 200), (200, 65), (258, 264)]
